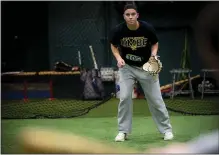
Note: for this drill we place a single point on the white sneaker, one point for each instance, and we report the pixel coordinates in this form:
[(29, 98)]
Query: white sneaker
[(121, 137), (168, 136)]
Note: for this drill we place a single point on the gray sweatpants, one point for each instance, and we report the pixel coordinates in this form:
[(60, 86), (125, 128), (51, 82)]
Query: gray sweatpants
[(151, 88)]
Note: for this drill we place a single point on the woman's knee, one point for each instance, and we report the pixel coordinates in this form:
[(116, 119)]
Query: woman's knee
[(125, 96), (157, 102)]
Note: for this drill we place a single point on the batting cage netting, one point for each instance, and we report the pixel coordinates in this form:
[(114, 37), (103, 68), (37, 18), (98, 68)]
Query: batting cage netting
[(51, 94), (71, 94)]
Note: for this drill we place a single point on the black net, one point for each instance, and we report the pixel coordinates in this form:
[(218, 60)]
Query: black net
[(50, 95), (58, 108), (197, 95), (187, 106), (200, 99), (70, 34), (62, 95)]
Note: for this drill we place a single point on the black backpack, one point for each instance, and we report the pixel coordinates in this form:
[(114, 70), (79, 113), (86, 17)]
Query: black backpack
[(93, 85)]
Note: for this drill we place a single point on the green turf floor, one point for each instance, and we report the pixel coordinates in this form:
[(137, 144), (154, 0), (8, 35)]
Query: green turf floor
[(101, 123), (144, 133)]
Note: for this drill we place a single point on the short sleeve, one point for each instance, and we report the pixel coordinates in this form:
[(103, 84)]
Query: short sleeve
[(153, 36), (114, 36)]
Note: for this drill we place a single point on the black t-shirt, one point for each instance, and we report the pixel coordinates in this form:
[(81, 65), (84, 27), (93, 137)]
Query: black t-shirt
[(134, 45)]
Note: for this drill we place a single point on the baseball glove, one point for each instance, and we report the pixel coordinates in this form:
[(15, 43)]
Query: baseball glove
[(153, 66), (63, 67)]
